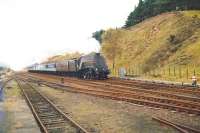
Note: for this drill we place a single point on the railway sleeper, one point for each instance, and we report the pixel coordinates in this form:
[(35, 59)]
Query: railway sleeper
[(45, 110), (167, 101), (43, 116), (63, 125), (57, 127), (54, 122), (48, 114)]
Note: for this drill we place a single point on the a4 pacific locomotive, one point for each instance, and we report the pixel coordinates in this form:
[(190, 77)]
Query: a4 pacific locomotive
[(91, 66)]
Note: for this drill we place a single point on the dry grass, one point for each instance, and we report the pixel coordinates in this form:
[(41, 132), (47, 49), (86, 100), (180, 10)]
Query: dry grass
[(169, 39)]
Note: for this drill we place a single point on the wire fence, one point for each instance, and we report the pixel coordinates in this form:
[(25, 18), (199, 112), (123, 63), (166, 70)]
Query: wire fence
[(171, 73)]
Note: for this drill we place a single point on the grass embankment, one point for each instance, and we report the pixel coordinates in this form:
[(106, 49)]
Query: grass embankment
[(163, 47)]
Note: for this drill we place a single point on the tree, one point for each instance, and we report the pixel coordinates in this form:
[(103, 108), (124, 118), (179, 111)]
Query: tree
[(98, 35), (110, 46), (149, 8), (136, 16)]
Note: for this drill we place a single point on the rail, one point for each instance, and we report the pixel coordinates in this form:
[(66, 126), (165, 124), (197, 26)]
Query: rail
[(177, 126), (49, 117)]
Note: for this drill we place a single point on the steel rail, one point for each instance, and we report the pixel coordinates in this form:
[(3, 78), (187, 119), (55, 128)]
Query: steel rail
[(131, 89), (138, 89), (81, 129), (41, 125), (154, 92), (171, 85), (37, 116), (145, 100), (179, 127), (116, 96), (155, 86), (140, 95), (170, 124)]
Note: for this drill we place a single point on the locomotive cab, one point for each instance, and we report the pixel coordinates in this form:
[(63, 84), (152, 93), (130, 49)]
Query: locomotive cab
[(93, 66)]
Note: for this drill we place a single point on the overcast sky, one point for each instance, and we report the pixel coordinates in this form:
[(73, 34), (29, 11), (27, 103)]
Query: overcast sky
[(32, 30)]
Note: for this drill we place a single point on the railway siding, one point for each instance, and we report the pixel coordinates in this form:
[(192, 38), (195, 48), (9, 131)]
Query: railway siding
[(119, 93), (87, 111), (137, 96)]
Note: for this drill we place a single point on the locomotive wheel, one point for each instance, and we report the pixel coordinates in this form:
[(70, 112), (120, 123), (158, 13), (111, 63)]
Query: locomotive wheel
[(88, 75), (85, 76), (92, 75)]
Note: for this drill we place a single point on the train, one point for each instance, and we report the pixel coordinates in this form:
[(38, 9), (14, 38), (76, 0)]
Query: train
[(91, 66)]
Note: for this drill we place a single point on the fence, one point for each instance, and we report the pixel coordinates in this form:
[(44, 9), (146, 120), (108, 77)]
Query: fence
[(171, 73)]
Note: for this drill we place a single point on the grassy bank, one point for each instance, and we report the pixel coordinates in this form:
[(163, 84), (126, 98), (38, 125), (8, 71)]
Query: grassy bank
[(167, 42)]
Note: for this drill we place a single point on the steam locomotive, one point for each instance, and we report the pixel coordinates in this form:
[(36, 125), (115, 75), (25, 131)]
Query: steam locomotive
[(91, 66)]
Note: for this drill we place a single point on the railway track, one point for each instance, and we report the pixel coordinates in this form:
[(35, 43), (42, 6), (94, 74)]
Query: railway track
[(165, 88), (126, 89), (156, 86), (49, 117), (181, 128), (129, 89), (137, 98)]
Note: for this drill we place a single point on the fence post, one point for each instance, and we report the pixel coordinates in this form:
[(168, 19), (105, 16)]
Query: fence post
[(187, 73), (118, 72), (115, 73), (169, 71), (139, 70), (174, 71), (194, 72), (164, 71), (180, 73)]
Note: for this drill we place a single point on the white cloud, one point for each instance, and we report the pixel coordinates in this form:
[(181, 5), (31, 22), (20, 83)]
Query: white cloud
[(30, 31)]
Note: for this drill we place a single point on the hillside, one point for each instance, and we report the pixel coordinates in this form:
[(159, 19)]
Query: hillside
[(169, 39)]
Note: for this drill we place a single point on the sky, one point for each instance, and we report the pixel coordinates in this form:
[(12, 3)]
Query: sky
[(32, 30)]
